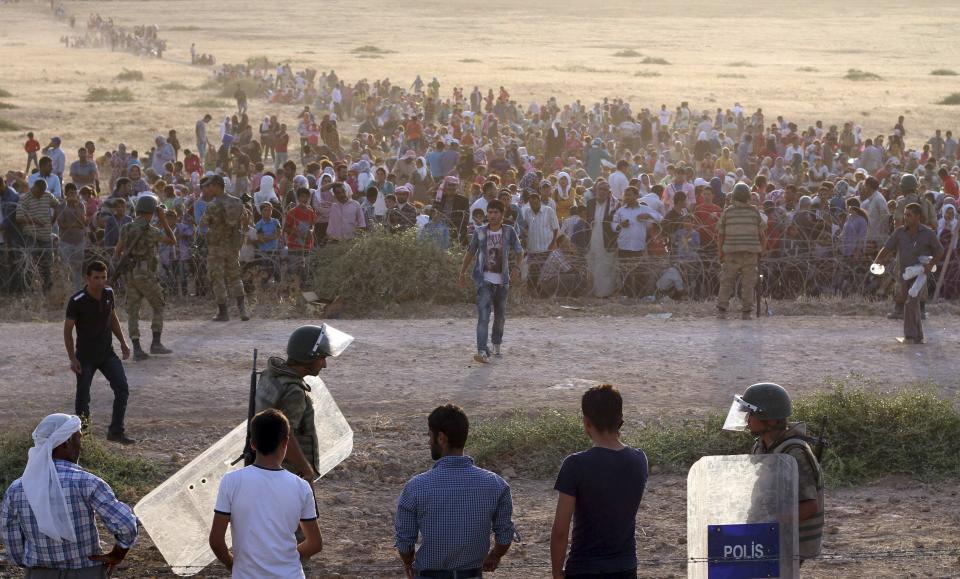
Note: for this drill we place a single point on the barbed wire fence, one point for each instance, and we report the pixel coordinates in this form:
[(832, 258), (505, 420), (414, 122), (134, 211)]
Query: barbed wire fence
[(568, 272), (911, 559)]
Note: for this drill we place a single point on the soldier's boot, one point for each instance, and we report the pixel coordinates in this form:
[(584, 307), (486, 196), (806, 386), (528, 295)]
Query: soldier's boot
[(138, 353), (156, 347), (222, 315), (243, 309)]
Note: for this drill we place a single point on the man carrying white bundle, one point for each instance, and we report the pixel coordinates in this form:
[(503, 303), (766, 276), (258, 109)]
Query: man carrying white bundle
[(47, 518)]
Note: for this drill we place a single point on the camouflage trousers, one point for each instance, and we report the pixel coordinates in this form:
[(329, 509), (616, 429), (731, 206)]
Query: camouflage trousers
[(223, 268), (745, 264), (144, 286)]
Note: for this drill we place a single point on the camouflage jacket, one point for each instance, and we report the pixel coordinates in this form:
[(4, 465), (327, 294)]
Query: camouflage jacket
[(282, 388), (222, 219), (140, 243)]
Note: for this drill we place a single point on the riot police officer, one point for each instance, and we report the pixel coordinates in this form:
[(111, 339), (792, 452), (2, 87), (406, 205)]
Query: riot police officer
[(137, 250), (763, 410), (282, 386)]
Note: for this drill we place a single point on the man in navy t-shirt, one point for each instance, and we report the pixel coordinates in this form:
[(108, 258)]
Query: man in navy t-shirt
[(600, 489)]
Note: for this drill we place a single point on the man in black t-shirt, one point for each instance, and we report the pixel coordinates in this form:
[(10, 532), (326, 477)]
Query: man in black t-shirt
[(603, 487), (91, 311)]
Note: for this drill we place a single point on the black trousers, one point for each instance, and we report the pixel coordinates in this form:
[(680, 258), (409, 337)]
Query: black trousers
[(112, 369)]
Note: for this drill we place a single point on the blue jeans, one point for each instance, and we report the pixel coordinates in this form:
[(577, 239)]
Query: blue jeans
[(490, 296), (112, 369)]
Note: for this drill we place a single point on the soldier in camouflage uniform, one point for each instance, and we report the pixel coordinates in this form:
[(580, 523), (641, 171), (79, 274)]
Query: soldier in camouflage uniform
[(224, 238), (282, 387), (766, 408), (138, 245)]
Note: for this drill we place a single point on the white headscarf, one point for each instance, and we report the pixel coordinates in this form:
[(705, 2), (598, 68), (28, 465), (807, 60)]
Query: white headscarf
[(266, 192), (40, 481), (561, 192), (948, 224)]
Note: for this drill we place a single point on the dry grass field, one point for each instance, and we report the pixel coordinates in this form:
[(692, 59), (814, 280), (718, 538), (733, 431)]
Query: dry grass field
[(788, 58)]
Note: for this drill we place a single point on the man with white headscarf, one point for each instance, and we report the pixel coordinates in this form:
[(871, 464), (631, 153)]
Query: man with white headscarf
[(47, 517)]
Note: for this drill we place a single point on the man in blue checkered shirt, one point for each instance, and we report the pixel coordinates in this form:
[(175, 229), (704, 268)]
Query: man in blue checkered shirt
[(47, 516), (453, 507)]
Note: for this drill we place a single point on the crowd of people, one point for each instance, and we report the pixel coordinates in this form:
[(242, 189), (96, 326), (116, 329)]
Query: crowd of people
[(142, 40), (606, 200)]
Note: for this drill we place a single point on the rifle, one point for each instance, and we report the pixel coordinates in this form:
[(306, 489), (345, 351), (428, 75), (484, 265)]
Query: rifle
[(822, 443), (249, 455)]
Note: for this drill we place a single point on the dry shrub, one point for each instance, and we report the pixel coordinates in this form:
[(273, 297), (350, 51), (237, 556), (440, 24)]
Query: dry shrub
[(627, 53), (953, 99), (5, 93), (130, 75), (7, 106), (380, 269), (856, 74), (654, 60), (6, 125), (646, 73), (371, 49), (99, 94), (943, 72)]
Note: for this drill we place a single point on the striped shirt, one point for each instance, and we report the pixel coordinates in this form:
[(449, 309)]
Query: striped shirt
[(740, 227), (86, 494), (453, 507), (38, 209)]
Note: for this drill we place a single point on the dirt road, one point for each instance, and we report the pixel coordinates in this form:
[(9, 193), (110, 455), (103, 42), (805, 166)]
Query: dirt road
[(398, 370)]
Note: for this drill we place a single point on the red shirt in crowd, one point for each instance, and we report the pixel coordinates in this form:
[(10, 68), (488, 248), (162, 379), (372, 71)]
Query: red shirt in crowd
[(31, 146), (297, 226), (950, 187), (191, 164)]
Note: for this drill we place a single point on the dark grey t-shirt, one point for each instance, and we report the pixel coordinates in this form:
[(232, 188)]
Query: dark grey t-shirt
[(608, 486), (909, 247)]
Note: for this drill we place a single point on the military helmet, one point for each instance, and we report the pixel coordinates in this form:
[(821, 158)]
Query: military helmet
[(741, 192), (771, 400), (908, 182), (307, 343), (146, 204)]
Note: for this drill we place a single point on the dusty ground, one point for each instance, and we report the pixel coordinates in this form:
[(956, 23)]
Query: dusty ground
[(399, 369), (718, 54)]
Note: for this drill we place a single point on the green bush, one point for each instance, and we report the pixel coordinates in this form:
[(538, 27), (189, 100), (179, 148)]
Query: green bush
[(943, 72), (7, 106), (130, 476), (130, 75), (5, 93), (871, 434), (953, 99), (381, 269), (100, 94)]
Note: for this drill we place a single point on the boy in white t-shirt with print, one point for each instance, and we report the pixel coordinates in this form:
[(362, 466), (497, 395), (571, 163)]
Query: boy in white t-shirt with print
[(263, 505)]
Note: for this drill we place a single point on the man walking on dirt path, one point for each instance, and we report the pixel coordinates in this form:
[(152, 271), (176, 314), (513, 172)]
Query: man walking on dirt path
[(91, 311), (491, 244), (911, 242), (453, 507)]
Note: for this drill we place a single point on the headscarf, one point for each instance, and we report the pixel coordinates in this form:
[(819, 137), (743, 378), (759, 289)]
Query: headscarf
[(422, 169), (561, 192), (449, 180), (266, 192), (947, 224), (40, 481)]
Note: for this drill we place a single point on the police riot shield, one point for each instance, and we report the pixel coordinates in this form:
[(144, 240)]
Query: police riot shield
[(742, 517), (178, 513)]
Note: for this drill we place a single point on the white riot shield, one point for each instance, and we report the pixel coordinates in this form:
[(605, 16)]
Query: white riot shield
[(742, 517), (178, 513)]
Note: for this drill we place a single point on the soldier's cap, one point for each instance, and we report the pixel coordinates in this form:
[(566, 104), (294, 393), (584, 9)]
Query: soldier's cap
[(212, 180)]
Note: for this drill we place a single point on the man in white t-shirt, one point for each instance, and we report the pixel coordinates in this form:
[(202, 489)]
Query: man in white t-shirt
[(264, 504)]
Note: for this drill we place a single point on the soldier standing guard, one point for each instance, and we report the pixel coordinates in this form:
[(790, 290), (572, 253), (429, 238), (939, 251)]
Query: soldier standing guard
[(763, 410), (224, 238), (138, 248), (282, 387), (741, 240)]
